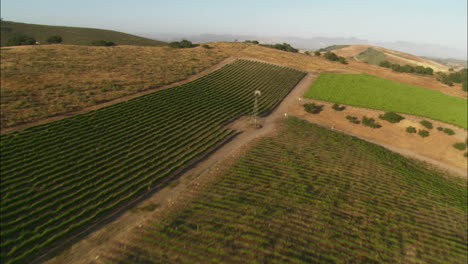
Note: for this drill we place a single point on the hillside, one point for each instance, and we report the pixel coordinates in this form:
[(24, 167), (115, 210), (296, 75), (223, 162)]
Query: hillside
[(375, 55), (71, 35), (43, 81)]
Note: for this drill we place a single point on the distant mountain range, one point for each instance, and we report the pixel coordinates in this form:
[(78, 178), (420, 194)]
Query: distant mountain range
[(431, 50)]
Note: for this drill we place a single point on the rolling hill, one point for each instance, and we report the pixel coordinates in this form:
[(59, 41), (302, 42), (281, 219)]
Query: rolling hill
[(375, 55), (71, 35)]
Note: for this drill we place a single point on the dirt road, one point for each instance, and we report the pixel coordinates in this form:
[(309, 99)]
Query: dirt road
[(92, 246)]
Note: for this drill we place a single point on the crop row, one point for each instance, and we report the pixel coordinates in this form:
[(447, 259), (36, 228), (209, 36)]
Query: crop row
[(300, 197), (60, 178)]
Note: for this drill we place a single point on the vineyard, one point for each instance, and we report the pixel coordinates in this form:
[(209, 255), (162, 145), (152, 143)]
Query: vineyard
[(60, 179), (300, 197)]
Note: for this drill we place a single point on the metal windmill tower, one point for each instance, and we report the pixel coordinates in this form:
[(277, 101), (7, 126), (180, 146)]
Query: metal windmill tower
[(257, 94)]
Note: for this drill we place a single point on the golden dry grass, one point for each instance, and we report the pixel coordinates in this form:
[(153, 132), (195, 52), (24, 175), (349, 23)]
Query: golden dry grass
[(38, 82), (42, 81)]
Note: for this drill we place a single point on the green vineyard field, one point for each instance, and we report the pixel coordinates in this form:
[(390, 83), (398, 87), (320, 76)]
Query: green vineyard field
[(310, 195), (62, 178)]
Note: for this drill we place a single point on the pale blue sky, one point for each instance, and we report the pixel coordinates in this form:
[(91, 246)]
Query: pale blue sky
[(420, 21)]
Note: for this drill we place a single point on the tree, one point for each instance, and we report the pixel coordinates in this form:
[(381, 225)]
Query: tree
[(317, 53), (21, 40), (186, 44), (181, 44), (342, 60), (103, 43), (331, 56), (386, 64), (54, 39)]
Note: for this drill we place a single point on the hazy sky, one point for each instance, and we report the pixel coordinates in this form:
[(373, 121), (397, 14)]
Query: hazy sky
[(419, 21)]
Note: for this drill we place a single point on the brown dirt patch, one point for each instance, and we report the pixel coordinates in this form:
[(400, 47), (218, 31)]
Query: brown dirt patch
[(436, 149)]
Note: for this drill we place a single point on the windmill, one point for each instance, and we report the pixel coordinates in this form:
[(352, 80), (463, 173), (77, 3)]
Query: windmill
[(254, 122)]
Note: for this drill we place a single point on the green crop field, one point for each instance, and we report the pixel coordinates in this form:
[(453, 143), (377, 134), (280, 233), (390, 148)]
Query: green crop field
[(71, 35), (370, 91), (300, 197), (61, 178)]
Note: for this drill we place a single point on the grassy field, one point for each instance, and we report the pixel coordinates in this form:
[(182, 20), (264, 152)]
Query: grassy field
[(61, 178), (370, 91), (300, 197), (71, 35)]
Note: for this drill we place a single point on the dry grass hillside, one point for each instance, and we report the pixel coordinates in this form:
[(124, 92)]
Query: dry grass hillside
[(38, 82), (393, 56)]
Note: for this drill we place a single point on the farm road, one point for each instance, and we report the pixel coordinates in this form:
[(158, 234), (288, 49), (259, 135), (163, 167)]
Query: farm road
[(89, 249)]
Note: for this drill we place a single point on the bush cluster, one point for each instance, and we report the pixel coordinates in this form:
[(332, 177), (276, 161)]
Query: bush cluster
[(370, 122), (313, 108), (333, 57), (183, 44), (352, 119), (21, 40), (337, 107), (426, 124), (317, 53), (460, 146), (391, 117), (454, 77), (54, 39), (407, 68), (103, 43), (449, 131), (423, 133), (284, 47), (411, 129), (252, 42)]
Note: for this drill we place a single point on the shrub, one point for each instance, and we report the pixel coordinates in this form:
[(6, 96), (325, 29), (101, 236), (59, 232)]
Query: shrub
[(342, 60), (440, 128), (313, 108), (331, 56), (21, 40), (206, 46), (370, 122), (460, 146), (449, 131), (353, 119), (317, 53), (307, 53), (181, 44), (391, 117), (337, 107), (411, 129), (103, 43), (54, 39), (466, 154), (426, 124), (423, 133)]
